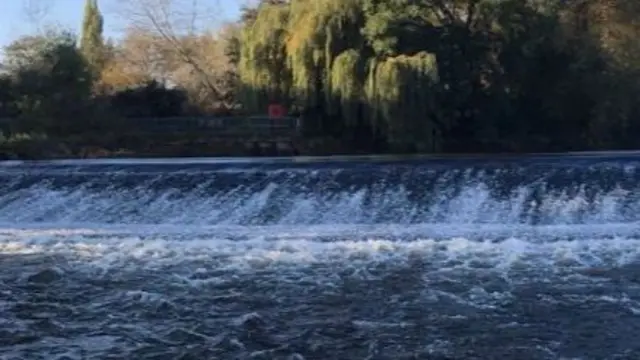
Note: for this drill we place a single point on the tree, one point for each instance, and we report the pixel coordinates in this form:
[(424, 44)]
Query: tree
[(134, 61), (449, 75), (340, 60), (92, 43), (29, 51), (176, 26), (52, 82), (211, 51)]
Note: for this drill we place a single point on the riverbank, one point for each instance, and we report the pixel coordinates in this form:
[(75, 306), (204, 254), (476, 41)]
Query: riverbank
[(92, 146)]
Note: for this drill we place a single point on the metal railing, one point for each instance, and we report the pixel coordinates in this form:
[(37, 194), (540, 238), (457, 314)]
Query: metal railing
[(231, 126)]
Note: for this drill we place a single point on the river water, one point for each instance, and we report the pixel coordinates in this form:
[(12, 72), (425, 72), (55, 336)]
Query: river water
[(478, 258)]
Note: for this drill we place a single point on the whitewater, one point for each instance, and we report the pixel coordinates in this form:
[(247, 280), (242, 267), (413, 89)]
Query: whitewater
[(527, 257)]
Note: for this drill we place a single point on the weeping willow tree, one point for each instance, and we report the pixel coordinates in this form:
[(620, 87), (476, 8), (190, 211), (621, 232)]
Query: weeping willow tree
[(321, 30), (263, 71), (332, 69), (345, 87), (400, 94)]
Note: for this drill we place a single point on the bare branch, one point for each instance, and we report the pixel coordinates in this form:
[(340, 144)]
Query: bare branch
[(183, 16), (174, 24)]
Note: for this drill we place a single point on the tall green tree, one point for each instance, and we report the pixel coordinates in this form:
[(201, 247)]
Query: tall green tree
[(92, 44)]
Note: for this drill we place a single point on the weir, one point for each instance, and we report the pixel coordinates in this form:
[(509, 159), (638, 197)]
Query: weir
[(600, 188), (471, 257)]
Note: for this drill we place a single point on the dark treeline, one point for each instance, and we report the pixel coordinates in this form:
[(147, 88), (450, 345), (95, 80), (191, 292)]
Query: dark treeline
[(48, 86), (373, 75), (451, 75), (59, 95)]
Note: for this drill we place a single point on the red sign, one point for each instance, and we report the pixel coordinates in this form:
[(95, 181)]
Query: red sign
[(277, 111)]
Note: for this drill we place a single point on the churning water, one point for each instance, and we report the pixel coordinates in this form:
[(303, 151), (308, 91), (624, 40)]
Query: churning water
[(512, 258)]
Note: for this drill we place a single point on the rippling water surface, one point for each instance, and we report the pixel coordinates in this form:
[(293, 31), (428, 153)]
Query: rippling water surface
[(483, 259)]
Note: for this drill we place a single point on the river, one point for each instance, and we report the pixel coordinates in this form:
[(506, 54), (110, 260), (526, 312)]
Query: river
[(533, 257)]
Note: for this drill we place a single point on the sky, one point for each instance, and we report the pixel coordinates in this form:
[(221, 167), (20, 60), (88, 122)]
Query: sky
[(20, 17)]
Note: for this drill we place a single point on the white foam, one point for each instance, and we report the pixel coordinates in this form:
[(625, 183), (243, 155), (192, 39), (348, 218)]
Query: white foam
[(105, 249), (196, 259)]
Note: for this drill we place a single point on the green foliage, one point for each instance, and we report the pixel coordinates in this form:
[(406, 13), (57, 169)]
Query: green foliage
[(50, 81), (373, 75), (262, 66), (92, 43), (402, 98), (346, 85), (28, 146), (452, 75), (334, 50), (48, 86)]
